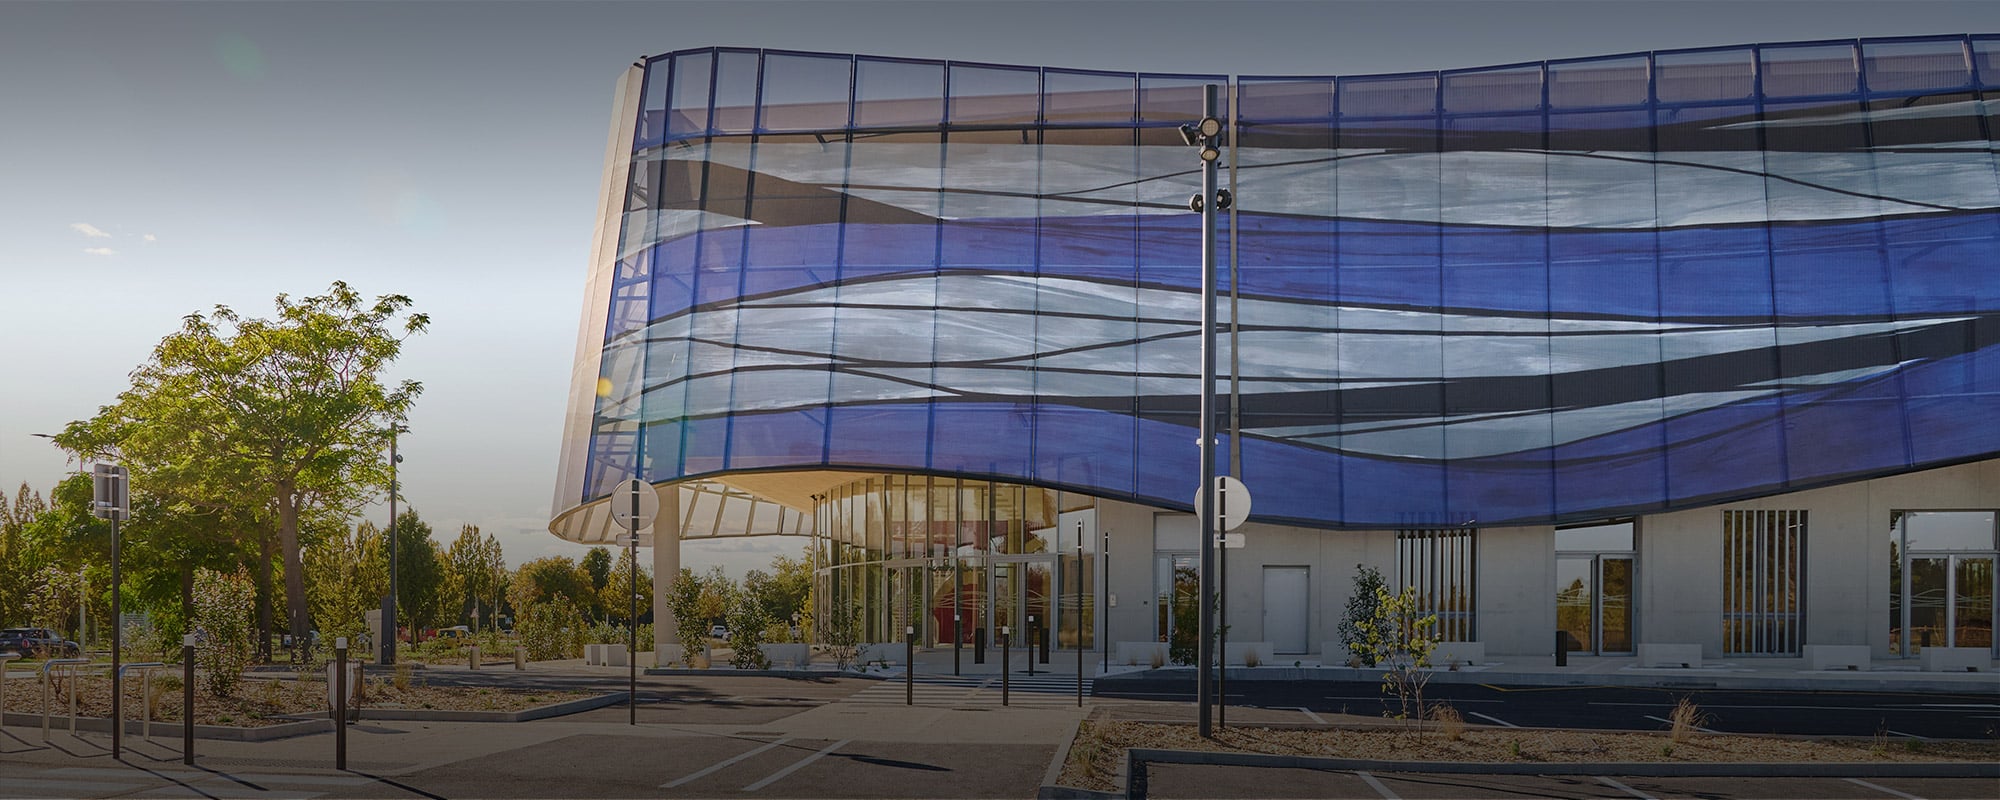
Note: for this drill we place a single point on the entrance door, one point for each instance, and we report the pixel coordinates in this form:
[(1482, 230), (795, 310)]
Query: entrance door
[(1951, 601), (1020, 593), (1285, 605), (1594, 602)]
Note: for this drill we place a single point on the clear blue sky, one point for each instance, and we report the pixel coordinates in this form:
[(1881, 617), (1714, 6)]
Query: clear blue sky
[(162, 158)]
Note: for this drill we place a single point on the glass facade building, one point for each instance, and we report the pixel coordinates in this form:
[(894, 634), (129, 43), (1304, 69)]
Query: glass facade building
[(1546, 294)]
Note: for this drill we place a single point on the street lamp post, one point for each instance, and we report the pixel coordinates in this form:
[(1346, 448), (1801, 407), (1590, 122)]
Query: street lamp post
[(389, 625), (1207, 136)]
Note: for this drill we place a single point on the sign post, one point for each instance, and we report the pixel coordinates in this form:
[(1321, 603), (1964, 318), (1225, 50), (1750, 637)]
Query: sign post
[(634, 504), (340, 703), (111, 487)]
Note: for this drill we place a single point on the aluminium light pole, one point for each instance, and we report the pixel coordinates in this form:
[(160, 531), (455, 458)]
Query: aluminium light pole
[(387, 656), (1207, 135)]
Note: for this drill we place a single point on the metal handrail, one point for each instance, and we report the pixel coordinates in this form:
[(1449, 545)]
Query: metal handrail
[(4, 658), (75, 666), (145, 697)]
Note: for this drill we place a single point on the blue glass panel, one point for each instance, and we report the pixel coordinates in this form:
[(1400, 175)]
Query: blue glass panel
[(734, 108), (652, 123), (1922, 66), (1088, 98), (993, 95), (804, 93), (890, 93), (1600, 82), (688, 112), (1492, 90), (1284, 99), (1694, 76), (1808, 70)]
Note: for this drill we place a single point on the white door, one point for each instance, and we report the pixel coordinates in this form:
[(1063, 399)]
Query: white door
[(1285, 605)]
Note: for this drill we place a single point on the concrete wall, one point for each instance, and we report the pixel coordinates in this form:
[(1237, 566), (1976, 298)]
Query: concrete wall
[(1847, 556), (1678, 583)]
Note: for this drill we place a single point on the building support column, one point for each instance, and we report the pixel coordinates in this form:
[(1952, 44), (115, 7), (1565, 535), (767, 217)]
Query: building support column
[(666, 569)]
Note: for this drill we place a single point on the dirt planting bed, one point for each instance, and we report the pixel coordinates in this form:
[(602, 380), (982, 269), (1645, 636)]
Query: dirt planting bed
[(263, 701)]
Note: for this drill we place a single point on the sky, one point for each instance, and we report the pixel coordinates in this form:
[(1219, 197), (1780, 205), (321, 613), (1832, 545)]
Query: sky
[(162, 158)]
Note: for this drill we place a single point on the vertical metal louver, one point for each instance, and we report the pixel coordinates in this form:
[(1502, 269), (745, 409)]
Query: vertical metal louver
[(1763, 565)]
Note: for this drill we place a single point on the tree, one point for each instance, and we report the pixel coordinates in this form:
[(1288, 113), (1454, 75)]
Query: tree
[(347, 575), (223, 603), (545, 579), (1361, 609), (420, 574), (597, 568), (479, 569), (282, 417), (615, 596), (16, 562)]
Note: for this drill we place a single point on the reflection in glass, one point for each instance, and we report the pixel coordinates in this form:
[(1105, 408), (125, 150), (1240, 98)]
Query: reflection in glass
[(1574, 597), (1615, 611), (1928, 590), (1972, 594)]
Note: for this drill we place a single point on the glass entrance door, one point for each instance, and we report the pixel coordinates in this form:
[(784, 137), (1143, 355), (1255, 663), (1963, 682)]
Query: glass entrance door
[(1594, 602), (1020, 592), (1950, 601)]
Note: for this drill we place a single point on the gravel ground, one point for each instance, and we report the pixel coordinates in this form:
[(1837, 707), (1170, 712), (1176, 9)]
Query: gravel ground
[(1099, 748), (263, 701)]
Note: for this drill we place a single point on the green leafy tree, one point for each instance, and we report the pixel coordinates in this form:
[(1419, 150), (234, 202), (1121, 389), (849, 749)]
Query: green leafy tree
[(347, 574), (596, 566), (479, 571), (1402, 635), (1362, 605), (223, 603), (56, 598), (17, 561), (281, 418), (615, 596), (685, 598), (420, 574), (545, 579)]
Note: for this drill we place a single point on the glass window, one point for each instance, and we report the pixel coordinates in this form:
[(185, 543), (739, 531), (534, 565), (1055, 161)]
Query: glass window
[(805, 93), (1947, 530), (1607, 538), (895, 94)]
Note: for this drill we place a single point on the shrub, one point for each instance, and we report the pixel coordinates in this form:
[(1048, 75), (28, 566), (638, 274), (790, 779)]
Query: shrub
[(843, 634), (222, 606), (746, 622), (1449, 722), (1402, 635), (1686, 719), (551, 630), (1361, 608), (684, 599)]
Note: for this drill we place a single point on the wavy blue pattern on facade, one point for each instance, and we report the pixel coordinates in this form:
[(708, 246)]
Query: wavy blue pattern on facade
[(1522, 294)]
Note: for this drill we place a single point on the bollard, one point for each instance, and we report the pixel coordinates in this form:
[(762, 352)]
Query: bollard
[(520, 658), (1562, 648), (1032, 628), (187, 699), (957, 643), (340, 703), (909, 665), (979, 645), (475, 656), (1004, 665), (145, 677), (4, 658)]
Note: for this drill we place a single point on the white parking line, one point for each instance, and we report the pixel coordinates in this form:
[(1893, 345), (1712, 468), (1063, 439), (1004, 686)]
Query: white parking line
[(1670, 722), (1626, 789), (1881, 788), (1491, 718), (1377, 786), (1309, 714), (773, 778), (710, 769), (1910, 735)]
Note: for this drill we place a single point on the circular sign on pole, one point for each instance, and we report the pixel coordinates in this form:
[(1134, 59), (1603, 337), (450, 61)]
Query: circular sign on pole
[(1232, 503), (621, 504)]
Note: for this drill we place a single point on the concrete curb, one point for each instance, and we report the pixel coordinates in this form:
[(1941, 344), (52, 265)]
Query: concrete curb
[(524, 715), (1054, 771), (767, 673), (1655, 679), (1137, 758), (32, 723)]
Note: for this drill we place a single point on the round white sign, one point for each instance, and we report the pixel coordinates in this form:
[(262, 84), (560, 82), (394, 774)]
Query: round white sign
[(621, 504), (1232, 503)]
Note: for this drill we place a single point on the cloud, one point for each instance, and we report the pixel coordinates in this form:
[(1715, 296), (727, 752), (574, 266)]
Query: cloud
[(100, 251), (89, 230), (149, 238)]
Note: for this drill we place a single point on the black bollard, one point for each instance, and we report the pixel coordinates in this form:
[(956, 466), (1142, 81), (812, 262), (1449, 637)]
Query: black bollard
[(910, 665), (957, 643), (1562, 648), (340, 703), (1004, 665), (1032, 628), (187, 700), (979, 645), (1045, 635)]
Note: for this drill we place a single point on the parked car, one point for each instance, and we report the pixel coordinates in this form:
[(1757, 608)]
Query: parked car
[(455, 632), (37, 642), (718, 631)]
